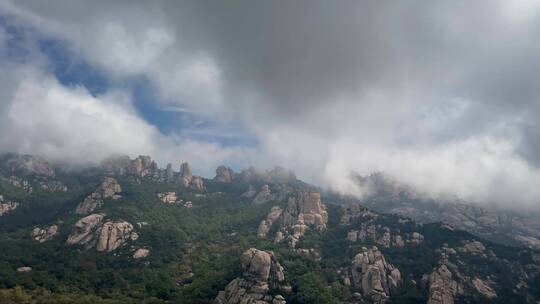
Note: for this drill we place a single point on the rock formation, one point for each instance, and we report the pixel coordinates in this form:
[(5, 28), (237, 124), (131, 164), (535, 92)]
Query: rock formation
[(483, 288), (264, 196), (7, 206), (91, 231), (185, 175), (44, 234), (354, 212), (168, 197), (108, 189), (24, 269), (443, 289), (373, 276), (265, 225), (224, 174), (303, 211), (197, 183), (261, 273), (28, 165), (112, 235), (141, 253)]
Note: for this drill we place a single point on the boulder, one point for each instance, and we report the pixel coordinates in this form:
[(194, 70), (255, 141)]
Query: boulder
[(44, 234), (224, 174), (261, 272), (141, 253), (24, 269), (373, 276)]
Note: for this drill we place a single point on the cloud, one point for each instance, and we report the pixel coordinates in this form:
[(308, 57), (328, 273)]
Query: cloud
[(410, 89)]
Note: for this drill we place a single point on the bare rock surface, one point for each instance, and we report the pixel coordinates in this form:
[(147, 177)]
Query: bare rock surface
[(168, 197), (92, 231), (141, 253), (483, 288), (43, 234), (109, 189), (265, 225), (373, 276), (443, 289), (261, 273), (264, 196), (304, 211), (224, 174), (7, 206)]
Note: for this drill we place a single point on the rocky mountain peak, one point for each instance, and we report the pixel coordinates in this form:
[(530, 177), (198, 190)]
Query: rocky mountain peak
[(24, 165), (224, 174)]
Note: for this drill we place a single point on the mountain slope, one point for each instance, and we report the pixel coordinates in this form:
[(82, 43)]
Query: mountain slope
[(150, 235)]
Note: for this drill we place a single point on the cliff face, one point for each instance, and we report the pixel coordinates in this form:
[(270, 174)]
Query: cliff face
[(304, 211), (373, 276), (93, 231)]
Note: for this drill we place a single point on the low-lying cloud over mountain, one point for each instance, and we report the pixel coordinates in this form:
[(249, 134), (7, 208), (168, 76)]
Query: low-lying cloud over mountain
[(441, 95)]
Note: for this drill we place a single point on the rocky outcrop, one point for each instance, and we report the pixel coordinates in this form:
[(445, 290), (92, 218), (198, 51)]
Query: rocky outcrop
[(303, 211), (141, 253), (28, 165), (44, 234), (265, 225), (443, 289), (261, 273), (108, 189), (92, 231), (264, 196), (185, 175), (197, 183), (355, 212), (496, 225), (482, 288), (24, 269), (112, 235), (373, 276), (224, 174), (168, 197), (306, 208), (7, 206)]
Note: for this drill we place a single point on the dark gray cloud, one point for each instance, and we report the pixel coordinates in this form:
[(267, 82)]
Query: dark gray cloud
[(442, 94)]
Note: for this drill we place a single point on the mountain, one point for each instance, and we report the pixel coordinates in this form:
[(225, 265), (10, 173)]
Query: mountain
[(127, 231), (387, 195)]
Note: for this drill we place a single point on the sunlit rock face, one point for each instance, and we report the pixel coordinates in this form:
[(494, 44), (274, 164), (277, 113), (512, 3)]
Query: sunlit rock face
[(92, 231), (7, 206)]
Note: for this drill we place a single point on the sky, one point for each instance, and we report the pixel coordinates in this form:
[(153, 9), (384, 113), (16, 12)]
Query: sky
[(441, 95)]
